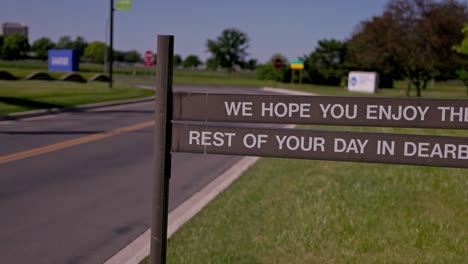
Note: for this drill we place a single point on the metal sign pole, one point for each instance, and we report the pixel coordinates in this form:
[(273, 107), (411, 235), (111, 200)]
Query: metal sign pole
[(163, 138), (111, 48)]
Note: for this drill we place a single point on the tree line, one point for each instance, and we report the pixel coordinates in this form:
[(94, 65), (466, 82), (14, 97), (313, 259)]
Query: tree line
[(229, 51), (413, 40), (16, 46)]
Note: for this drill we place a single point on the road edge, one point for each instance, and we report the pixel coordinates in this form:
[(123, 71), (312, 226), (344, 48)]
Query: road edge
[(54, 111)]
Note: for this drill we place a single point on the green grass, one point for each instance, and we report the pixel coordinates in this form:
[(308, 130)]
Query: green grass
[(22, 73), (296, 211), (248, 79), (85, 67), (217, 78), (16, 96)]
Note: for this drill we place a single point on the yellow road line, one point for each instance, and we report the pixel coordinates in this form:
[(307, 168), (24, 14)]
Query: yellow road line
[(72, 142)]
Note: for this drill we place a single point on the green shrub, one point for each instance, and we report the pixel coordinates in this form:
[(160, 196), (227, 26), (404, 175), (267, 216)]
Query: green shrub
[(269, 72)]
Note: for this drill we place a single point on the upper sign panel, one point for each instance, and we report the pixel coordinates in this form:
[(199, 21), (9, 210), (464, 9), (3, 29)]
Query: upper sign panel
[(323, 110)]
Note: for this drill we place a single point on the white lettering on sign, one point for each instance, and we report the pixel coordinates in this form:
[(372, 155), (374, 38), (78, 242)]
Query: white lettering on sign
[(436, 150), (206, 138), (303, 143), (385, 148), (63, 61), (337, 111), (254, 141), (234, 108), (354, 145), (454, 114), (289, 109), (388, 112)]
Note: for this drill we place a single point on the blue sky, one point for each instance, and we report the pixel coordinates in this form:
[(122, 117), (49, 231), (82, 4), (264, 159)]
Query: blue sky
[(288, 27)]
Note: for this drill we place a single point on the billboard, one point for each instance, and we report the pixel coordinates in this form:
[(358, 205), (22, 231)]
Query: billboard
[(64, 60), (364, 82)]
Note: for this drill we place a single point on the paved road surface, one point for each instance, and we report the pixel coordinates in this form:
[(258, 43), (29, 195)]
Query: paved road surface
[(83, 203)]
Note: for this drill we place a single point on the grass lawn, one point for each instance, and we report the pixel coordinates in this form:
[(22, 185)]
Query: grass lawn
[(16, 96), (305, 211), (29, 66), (300, 211), (295, 211), (248, 79)]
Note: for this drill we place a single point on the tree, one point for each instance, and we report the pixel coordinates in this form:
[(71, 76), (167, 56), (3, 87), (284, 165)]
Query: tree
[(370, 49), (177, 61), (79, 44), (212, 64), (326, 64), (15, 47), (229, 49), (119, 55), (95, 52), (65, 42), (413, 39), (251, 64), (1, 45), (462, 48), (192, 61), (42, 46), (132, 56), (268, 71)]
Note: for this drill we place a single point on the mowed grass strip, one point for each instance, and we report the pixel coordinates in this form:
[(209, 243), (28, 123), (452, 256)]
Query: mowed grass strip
[(16, 96), (301, 211)]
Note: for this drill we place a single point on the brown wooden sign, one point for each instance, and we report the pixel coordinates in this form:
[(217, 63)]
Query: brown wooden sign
[(321, 145), (323, 110)]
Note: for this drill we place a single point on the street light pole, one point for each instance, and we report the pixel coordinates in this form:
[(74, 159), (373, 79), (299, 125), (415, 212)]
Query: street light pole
[(111, 48)]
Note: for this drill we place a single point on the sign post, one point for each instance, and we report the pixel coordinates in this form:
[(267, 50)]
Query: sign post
[(163, 138), (111, 46)]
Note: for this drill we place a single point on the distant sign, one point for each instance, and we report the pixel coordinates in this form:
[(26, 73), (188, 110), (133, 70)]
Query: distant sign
[(149, 58), (64, 60), (297, 65), (365, 82), (123, 4), (278, 63)]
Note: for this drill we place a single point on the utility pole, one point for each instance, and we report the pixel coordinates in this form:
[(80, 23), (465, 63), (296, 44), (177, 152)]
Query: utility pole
[(111, 48)]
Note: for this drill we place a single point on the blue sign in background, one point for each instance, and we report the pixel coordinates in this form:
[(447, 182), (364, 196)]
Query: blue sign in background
[(64, 60)]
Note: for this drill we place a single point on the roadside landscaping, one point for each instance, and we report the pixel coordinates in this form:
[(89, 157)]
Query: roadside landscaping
[(16, 96), (454, 89), (295, 211), (299, 211)]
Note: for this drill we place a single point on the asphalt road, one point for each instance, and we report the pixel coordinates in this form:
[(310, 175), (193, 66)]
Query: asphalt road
[(83, 203)]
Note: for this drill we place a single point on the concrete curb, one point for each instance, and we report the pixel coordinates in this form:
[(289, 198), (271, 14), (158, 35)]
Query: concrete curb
[(54, 111), (285, 91)]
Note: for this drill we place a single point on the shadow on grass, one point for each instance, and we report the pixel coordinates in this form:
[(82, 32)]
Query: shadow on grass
[(28, 103), (120, 112), (50, 132), (61, 132)]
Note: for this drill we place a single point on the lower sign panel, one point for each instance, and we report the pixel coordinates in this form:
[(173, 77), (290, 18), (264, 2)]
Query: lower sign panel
[(322, 145)]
